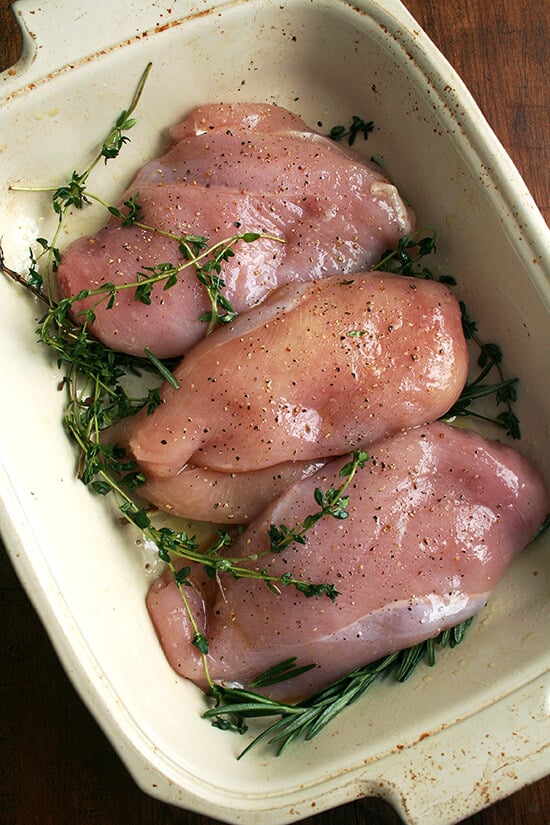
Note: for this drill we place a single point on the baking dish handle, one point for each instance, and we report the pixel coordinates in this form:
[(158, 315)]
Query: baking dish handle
[(61, 34), (455, 771)]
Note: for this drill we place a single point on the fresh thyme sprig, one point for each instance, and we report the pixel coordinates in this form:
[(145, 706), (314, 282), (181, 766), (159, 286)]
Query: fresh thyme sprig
[(306, 719), (505, 390), (94, 382), (406, 260), (195, 250), (107, 470), (204, 259), (196, 253), (94, 377), (95, 404), (73, 193), (410, 250), (358, 127), (333, 502), (209, 275)]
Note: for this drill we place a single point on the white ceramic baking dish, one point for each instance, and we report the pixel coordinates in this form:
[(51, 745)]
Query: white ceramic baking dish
[(454, 738)]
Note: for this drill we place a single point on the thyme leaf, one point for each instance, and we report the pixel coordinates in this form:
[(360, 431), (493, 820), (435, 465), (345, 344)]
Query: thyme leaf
[(133, 213)]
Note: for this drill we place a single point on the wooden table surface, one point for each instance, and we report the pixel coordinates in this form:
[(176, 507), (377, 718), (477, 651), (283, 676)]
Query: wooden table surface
[(56, 767)]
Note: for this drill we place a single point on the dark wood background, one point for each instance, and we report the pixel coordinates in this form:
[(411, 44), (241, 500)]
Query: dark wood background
[(56, 767)]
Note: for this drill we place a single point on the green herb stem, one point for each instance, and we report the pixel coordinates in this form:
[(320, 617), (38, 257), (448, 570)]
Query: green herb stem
[(306, 719)]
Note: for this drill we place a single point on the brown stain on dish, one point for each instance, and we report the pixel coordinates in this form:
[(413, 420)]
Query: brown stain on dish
[(146, 33)]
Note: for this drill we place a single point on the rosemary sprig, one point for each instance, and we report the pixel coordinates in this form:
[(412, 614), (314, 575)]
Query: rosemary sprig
[(280, 673), (405, 260), (306, 719)]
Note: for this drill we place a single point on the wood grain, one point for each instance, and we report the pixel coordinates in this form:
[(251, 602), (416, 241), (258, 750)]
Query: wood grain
[(56, 766)]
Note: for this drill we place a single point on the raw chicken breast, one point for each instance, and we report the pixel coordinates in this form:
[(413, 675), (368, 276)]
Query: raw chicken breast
[(435, 518), (170, 325), (262, 117), (234, 169), (225, 498), (315, 371)]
